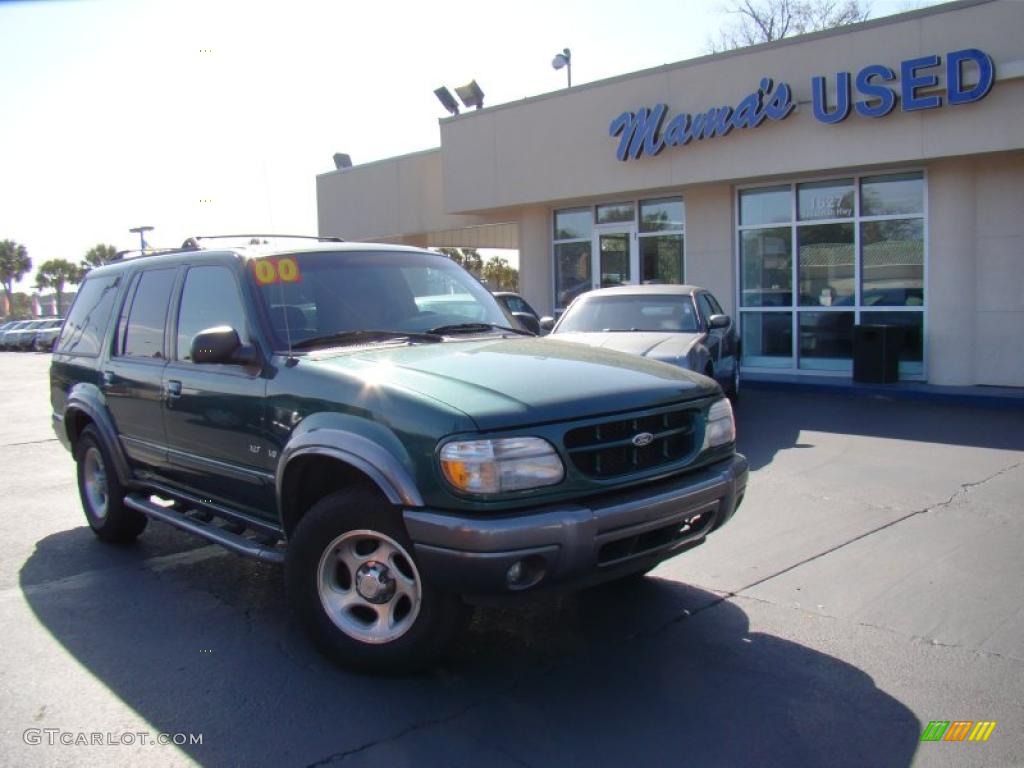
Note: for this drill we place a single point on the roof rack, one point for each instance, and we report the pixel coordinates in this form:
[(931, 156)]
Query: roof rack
[(137, 253), (192, 243)]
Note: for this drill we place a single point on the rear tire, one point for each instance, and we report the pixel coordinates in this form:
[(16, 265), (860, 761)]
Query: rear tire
[(102, 493), (355, 584)]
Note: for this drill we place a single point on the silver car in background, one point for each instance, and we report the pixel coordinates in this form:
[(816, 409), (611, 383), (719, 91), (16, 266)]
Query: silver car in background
[(678, 324)]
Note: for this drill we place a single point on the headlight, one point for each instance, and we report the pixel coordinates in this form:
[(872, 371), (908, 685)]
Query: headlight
[(721, 428), (497, 466)]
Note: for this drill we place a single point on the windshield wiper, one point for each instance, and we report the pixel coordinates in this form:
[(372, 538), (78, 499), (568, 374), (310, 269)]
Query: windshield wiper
[(475, 328), (344, 338)]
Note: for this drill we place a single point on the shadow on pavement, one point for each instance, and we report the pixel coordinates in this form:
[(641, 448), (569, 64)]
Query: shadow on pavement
[(656, 673), (768, 421)]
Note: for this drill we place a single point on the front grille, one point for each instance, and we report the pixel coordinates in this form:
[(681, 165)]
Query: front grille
[(607, 449)]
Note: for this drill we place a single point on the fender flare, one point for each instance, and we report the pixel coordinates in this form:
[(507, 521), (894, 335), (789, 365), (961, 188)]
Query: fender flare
[(369, 447), (87, 399)]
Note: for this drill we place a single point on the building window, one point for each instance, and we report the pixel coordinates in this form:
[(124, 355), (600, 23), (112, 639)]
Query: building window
[(816, 258), (660, 238), (573, 232), (635, 240)]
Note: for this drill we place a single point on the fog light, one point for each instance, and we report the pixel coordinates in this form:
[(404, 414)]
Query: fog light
[(515, 573), (525, 573)]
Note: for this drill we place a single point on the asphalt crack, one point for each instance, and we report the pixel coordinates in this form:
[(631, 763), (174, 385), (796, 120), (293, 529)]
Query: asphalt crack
[(961, 491), (338, 757), (30, 442)]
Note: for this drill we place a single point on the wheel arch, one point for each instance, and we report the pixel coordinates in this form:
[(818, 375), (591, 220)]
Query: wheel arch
[(85, 408), (326, 454)]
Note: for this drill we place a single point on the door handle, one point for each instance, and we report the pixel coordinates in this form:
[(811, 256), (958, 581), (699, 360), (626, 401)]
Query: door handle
[(174, 389), (108, 378)]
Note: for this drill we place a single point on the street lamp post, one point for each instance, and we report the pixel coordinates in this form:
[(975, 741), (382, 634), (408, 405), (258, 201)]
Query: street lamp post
[(564, 59), (142, 236)]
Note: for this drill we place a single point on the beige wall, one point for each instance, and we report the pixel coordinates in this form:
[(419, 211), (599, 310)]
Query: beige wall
[(505, 154), (396, 199), (975, 292), (998, 349), (519, 162)]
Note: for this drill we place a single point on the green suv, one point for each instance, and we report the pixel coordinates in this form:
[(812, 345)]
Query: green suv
[(372, 418)]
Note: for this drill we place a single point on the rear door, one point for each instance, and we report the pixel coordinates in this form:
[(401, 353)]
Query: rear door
[(132, 378), (214, 412)]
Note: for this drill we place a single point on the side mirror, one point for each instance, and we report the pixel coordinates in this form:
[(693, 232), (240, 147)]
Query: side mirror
[(220, 345), (547, 323), (528, 321), (719, 321)]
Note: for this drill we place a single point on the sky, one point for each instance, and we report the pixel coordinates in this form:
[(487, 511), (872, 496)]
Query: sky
[(215, 117)]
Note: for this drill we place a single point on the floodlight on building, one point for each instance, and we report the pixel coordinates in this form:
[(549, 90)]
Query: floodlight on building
[(447, 100), (564, 59), (342, 161), (471, 95)]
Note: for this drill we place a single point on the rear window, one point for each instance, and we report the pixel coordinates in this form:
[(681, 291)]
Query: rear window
[(88, 318)]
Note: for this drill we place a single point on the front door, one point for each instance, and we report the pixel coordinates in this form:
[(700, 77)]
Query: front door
[(615, 258), (216, 441)]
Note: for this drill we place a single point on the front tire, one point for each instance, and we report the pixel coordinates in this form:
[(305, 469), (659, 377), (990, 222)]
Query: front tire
[(358, 590), (102, 493)]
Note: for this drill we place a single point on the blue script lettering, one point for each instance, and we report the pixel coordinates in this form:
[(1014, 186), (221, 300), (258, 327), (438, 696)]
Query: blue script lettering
[(640, 132)]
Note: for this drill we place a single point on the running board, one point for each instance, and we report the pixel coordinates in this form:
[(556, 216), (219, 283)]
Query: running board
[(233, 541)]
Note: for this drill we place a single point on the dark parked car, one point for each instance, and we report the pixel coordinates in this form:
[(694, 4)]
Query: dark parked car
[(310, 407), (678, 324), (519, 308)]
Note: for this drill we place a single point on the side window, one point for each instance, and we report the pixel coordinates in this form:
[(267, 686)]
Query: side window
[(706, 310), (715, 306), (87, 321), (516, 304), (141, 329), (210, 298)]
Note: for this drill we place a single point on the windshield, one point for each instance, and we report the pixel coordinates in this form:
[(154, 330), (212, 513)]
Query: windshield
[(326, 294), (663, 313)]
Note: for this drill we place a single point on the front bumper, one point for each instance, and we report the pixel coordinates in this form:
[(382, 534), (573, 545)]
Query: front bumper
[(577, 544)]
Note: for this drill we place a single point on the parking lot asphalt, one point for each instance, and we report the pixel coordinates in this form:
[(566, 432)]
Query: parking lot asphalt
[(869, 584)]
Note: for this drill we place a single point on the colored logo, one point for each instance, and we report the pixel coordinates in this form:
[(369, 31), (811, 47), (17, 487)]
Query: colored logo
[(958, 730)]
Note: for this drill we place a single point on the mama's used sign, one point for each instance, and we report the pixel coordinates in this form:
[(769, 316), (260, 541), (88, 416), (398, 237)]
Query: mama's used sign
[(646, 132)]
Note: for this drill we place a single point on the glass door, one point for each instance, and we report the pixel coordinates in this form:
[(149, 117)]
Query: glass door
[(615, 258)]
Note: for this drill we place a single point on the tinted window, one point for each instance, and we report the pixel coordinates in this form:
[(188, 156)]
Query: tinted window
[(209, 298), (705, 306), (715, 306), (87, 321), (515, 304), (144, 331)]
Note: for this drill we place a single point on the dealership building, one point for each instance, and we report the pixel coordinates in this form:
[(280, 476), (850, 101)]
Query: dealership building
[(868, 175)]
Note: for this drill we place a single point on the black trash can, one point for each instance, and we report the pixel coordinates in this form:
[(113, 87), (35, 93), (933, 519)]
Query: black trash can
[(876, 353)]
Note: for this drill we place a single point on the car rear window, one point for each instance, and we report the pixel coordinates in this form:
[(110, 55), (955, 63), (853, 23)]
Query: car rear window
[(88, 318)]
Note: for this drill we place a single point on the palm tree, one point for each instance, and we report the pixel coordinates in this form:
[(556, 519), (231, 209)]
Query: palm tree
[(99, 255), (14, 265), (54, 274)]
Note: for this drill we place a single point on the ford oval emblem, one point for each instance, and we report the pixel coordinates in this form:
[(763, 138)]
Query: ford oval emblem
[(644, 438)]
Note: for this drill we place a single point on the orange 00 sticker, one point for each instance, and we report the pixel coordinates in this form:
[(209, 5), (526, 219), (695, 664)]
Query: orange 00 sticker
[(270, 271), (288, 270)]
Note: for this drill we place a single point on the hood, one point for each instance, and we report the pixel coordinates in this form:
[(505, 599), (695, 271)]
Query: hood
[(505, 383), (656, 345)]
